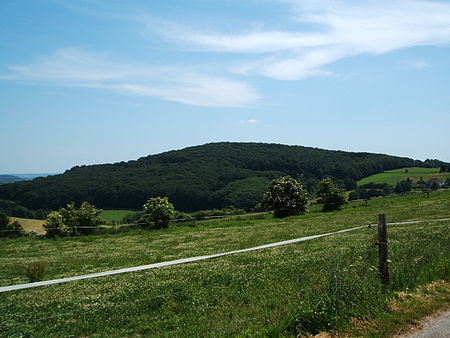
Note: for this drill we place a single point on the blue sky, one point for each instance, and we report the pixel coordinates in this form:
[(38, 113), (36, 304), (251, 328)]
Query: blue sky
[(91, 81)]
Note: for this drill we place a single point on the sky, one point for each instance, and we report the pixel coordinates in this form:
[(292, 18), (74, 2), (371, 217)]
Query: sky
[(102, 81)]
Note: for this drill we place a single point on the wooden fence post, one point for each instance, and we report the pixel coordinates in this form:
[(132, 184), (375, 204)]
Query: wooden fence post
[(383, 249)]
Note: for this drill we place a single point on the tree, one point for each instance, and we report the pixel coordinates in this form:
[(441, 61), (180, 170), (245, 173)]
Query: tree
[(403, 186), (4, 220), (158, 211), (434, 185), (70, 221), (8, 228), (330, 195), (286, 197), (54, 225), (353, 196)]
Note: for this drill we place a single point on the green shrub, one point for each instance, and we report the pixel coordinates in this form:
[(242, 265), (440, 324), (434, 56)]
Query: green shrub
[(330, 195), (286, 197), (158, 211), (70, 221), (35, 272), (8, 228)]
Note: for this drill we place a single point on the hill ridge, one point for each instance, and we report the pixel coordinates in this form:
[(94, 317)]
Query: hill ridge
[(213, 175)]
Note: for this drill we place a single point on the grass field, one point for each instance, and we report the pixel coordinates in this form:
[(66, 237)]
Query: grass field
[(29, 224), (392, 177), (115, 215), (321, 285)]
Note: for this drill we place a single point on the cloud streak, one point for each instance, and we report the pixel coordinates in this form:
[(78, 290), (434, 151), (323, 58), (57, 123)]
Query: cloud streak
[(344, 29), (75, 67)]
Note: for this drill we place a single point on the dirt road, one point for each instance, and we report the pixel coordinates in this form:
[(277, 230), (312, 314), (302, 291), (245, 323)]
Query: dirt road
[(434, 326)]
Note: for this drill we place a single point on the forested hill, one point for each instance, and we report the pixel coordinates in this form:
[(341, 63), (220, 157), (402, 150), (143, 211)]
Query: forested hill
[(209, 176)]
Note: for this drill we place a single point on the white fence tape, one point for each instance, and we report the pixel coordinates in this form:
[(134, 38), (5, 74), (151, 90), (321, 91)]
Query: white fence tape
[(192, 259)]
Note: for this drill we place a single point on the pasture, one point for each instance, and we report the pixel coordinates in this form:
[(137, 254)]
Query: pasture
[(28, 224), (115, 215), (392, 177), (328, 284)]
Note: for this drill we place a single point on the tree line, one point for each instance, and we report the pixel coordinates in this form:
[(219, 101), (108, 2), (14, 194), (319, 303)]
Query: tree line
[(211, 176)]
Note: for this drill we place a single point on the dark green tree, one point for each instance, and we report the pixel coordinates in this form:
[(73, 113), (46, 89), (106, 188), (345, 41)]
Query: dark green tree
[(286, 197), (434, 185), (4, 220), (8, 228), (403, 186), (353, 196), (330, 195)]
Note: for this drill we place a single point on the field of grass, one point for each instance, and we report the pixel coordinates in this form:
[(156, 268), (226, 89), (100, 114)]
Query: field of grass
[(392, 177), (115, 215), (320, 285), (29, 224)]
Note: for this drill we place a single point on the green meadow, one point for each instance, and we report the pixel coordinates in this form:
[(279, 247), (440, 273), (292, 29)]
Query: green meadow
[(114, 215), (392, 177), (328, 284)]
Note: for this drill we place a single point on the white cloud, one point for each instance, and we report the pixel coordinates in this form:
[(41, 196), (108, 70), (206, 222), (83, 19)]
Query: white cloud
[(418, 64), (251, 121), (343, 29), (80, 68)]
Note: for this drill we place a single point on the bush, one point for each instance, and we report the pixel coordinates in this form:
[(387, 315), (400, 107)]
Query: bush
[(8, 228), (35, 272), (353, 196), (403, 186), (54, 225), (71, 221), (286, 197), (158, 211), (330, 195)]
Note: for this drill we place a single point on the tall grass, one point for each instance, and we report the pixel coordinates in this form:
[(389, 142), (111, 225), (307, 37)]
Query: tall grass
[(321, 285)]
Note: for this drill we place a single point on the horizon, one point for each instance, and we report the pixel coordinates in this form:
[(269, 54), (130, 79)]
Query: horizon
[(92, 81)]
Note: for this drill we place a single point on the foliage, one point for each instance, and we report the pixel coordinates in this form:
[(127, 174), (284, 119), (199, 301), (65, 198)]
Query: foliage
[(54, 225), (403, 186), (286, 197), (35, 272), (353, 196), (330, 195), (211, 176), (370, 190), (4, 220), (15, 210), (434, 185), (158, 211), (70, 221), (8, 228)]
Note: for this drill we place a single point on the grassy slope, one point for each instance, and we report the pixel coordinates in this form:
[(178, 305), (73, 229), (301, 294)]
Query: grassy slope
[(115, 215), (266, 292), (392, 177), (29, 224)]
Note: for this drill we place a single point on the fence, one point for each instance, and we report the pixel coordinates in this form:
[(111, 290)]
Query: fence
[(383, 267)]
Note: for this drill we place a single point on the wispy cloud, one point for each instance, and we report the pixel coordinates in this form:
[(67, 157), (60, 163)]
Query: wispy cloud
[(251, 121), (343, 29), (80, 68), (418, 64)]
